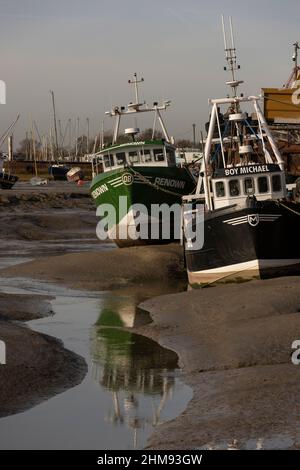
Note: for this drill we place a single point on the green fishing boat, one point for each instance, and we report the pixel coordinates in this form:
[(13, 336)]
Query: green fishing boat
[(138, 178)]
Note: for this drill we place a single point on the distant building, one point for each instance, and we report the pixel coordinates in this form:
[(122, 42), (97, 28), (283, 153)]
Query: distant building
[(187, 155)]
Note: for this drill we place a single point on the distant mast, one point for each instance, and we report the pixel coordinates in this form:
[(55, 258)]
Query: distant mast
[(55, 123), (296, 69)]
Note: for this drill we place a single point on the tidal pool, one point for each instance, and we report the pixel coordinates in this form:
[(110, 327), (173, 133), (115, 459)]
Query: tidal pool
[(132, 384)]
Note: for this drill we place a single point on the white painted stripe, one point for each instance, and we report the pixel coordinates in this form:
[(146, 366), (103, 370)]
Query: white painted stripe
[(137, 179), (234, 220), (244, 219), (239, 223), (115, 179), (248, 265)]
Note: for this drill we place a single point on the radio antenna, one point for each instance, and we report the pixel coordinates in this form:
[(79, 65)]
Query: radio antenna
[(231, 57)]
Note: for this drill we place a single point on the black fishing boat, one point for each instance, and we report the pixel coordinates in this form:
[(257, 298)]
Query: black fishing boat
[(240, 223), (7, 180), (59, 171)]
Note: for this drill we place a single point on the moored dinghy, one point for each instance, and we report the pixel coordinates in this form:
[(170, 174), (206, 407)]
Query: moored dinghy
[(75, 174), (7, 180)]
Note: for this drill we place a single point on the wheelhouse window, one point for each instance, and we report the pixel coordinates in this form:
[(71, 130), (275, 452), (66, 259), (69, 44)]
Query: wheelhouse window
[(134, 157), (171, 157), (99, 166), (108, 161), (276, 183), (159, 155), (234, 188), (220, 189), (263, 186), (121, 158), (249, 186), (147, 155)]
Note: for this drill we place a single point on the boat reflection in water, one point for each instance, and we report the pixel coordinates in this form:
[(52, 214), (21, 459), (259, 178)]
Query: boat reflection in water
[(140, 374)]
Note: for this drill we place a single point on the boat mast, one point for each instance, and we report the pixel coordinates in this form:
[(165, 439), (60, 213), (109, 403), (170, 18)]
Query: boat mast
[(234, 103), (295, 59), (294, 75), (102, 135), (55, 123), (34, 149), (236, 118), (70, 136), (76, 137), (137, 107), (231, 58), (135, 82), (87, 134)]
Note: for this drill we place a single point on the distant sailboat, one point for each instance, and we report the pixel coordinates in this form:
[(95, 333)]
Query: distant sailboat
[(7, 180)]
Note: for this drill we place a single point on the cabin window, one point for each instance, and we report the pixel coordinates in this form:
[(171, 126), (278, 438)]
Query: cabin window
[(220, 189), (234, 188), (263, 186), (171, 157), (108, 161), (121, 158), (99, 167), (159, 155), (249, 186), (276, 183), (147, 155), (134, 157)]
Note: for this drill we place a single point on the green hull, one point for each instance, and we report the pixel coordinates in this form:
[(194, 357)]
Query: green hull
[(141, 185)]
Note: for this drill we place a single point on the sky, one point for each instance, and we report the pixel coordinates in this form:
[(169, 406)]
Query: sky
[(87, 50)]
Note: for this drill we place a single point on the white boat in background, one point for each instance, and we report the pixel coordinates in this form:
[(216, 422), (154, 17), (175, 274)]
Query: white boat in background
[(37, 181), (75, 174)]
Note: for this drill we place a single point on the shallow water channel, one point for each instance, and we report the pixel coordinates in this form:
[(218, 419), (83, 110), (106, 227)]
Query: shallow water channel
[(132, 384)]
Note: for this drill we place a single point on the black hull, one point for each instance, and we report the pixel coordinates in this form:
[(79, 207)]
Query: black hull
[(139, 242), (7, 181), (251, 242), (59, 173)]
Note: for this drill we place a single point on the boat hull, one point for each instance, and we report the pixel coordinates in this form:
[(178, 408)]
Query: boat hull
[(7, 181), (243, 244), (75, 174), (59, 173), (145, 186)]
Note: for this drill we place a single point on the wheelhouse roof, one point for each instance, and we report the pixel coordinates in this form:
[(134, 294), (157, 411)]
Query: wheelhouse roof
[(141, 143)]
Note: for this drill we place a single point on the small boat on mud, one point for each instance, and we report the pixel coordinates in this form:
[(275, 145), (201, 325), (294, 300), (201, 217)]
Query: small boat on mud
[(59, 171), (75, 174), (7, 180), (241, 223)]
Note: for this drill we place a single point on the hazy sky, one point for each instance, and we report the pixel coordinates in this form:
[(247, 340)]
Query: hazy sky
[(87, 50)]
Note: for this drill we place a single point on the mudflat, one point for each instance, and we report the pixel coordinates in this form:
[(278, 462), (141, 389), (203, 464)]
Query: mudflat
[(107, 269), (37, 366), (235, 345), (234, 341)]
